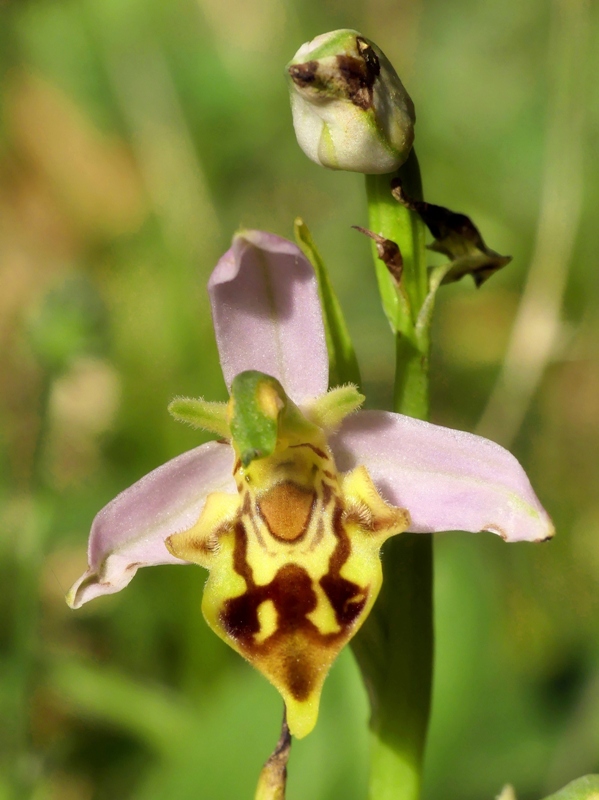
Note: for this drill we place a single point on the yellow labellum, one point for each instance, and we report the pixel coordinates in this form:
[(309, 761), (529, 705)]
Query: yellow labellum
[(294, 565)]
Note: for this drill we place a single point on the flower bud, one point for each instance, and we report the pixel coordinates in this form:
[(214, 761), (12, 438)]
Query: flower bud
[(350, 110)]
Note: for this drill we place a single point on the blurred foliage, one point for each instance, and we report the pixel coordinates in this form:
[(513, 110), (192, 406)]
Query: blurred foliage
[(135, 137)]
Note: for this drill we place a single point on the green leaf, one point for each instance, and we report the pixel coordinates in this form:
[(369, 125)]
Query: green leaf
[(151, 713), (586, 788), (425, 316), (343, 364)]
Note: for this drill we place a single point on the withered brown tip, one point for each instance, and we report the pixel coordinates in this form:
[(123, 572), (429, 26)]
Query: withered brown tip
[(370, 57), (303, 74), (387, 250)]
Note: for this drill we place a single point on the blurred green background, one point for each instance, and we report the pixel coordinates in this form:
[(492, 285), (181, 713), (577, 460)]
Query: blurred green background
[(135, 137)]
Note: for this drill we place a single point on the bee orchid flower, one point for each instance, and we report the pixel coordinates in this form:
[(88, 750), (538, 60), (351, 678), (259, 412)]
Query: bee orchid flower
[(288, 509)]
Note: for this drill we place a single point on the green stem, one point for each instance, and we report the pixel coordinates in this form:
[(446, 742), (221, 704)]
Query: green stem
[(395, 650), (395, 646), (391, 220), (411, 390)]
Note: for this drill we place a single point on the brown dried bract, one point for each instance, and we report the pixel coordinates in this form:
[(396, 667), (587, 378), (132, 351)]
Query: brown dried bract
[(388, 251), (457, 237)]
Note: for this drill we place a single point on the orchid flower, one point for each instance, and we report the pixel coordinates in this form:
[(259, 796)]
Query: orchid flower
[(288, 509)]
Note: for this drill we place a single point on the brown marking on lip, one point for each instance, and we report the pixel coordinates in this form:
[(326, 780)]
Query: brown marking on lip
[(251, 520), (286, 509), (205, 547), (327, 494), (283, 465), (346, 597), (358, 514), (210, 545), (320, 453), (318, 534), (288, 650), (296, 652), (246, 505), (395, 516)]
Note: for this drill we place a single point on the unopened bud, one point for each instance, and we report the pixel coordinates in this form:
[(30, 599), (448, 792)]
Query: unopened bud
[(350, 110)]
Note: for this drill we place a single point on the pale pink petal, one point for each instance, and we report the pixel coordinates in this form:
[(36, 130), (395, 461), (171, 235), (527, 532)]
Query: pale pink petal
[(267, 314), (130, 531), (448, 480)]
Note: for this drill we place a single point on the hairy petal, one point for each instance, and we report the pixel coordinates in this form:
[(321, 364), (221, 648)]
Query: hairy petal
[(267, 314), (130, 531), (447, 479)]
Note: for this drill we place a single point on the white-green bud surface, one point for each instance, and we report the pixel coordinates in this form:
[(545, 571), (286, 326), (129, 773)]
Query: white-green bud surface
[(350, 109)]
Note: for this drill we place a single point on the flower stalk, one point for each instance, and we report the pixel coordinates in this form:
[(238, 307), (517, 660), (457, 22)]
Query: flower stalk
[(403, 299), (395, 646), (272, 782)]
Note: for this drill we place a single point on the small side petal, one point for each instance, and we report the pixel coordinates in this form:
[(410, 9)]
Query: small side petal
[(267, 314), (130, 531), (447, 479)]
